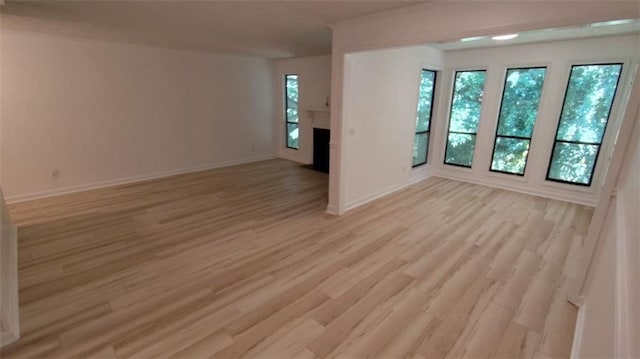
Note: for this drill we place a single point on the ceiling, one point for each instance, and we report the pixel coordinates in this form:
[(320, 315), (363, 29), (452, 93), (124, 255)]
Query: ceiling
[(262, 28), (627, 26)]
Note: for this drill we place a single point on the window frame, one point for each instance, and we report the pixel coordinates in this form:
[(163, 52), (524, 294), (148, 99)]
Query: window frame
[(530, 139), (286, 108), (428, 131), (604, 132), (446, 139)]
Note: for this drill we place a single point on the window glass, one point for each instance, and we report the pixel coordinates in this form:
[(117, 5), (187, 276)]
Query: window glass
[(583, 121), (518, 112), (466, 107), (423, 117), (291, 111)]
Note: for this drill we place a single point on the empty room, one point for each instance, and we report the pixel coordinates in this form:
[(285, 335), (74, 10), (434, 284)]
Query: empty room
[(319, 179)]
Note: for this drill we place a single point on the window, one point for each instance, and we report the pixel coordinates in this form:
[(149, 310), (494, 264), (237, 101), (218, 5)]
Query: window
[(466, 106), (423, 117), (291, 111), (583, 121), (518, 112)]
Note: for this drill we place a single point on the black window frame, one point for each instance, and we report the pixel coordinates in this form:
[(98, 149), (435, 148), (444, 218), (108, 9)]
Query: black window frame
[(286, 108), (604, 132), (475, 135), (428, 131), (495, 138)]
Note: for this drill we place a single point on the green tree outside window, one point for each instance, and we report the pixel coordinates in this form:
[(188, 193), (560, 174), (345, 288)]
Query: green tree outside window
[(583, 121), (423, 117), (291, 111), (518, 112), (466, 107)]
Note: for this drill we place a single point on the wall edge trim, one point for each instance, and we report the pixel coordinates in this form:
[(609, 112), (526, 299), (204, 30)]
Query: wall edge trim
[(578, 199), (577, 334), (132, 179), (364, 200)]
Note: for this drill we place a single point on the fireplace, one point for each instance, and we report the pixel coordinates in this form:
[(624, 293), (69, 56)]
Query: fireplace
[(321, 138)]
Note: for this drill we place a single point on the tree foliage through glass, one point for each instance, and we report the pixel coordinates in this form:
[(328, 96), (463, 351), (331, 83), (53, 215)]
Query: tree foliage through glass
[(466, 107), (517, 118), (423, 117), (291, 111), (585, 113)]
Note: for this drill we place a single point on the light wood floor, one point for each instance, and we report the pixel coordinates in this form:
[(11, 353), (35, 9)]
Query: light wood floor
[(243, 261)]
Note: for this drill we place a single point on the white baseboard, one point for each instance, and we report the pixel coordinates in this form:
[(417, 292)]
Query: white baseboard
[(145, 177), (333, 209), (7, 338), (577, 334), (586, 200), (626, 303), (627, 308), (362, 201)]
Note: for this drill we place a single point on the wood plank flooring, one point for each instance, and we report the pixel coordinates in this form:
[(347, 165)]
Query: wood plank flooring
[(244, 262)]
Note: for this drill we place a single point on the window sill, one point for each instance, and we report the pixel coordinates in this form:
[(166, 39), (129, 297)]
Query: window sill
[(569, 187), (506, 176)]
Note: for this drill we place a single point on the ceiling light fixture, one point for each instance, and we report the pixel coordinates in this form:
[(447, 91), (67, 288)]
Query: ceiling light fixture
[(504, 37), (475, 38), (612, 22)]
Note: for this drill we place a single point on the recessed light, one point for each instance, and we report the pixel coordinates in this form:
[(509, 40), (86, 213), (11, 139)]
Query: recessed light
[(475, 38), (504, 37), (612, 22)]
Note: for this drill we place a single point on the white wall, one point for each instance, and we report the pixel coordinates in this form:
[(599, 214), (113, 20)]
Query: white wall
[(628, 286), (381, 96), (314, 81), (609, 323), (380, 93), (102, 112), (596, 325)]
